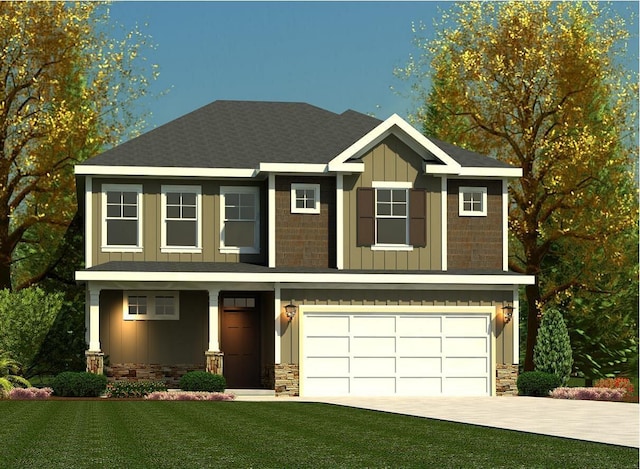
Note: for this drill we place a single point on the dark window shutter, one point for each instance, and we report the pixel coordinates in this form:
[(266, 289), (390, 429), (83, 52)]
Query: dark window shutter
[(418, 217), (366, 212)]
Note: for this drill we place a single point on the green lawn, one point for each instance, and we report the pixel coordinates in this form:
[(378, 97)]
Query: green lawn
[(157, 434)]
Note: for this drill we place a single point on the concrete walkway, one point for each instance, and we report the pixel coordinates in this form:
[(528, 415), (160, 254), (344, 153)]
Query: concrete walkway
[(615, 423)]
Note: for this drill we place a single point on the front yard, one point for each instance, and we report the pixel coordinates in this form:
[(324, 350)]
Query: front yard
[(157, 434)]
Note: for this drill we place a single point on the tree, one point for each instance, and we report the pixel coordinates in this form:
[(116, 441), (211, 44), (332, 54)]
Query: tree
[(552, 353), (538, 85), (65, 91)]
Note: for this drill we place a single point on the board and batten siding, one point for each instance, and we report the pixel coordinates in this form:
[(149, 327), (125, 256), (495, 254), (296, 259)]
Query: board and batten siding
[(152, 219), (393, 161), (290, 339)]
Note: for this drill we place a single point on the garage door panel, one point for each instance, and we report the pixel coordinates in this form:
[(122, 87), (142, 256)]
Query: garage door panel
[(419, 325), (327, 366), (373, 325), (466, 346), (465, 386), (373, 386), (466, 366), (419, 386), (328, 324), (373, 366), (466, 325), (419, 346), (373, 346), (326, 346), (326, 386), (419, 366)]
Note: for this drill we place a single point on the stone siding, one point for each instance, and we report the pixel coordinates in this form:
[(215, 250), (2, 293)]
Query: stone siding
[(286, 379), (506, 378), (170, 374), (95, 362)]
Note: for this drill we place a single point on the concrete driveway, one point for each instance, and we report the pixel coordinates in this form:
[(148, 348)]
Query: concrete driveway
[(605, 422)]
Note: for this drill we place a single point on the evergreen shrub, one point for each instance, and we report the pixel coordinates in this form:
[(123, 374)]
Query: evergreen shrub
[(552, 352), (537, 383), (79, 384), (202, 381)]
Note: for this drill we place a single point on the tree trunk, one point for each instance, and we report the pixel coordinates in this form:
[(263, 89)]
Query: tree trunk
[(532, 293)]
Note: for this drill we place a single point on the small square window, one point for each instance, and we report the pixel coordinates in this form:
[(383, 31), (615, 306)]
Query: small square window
[(150, 305), (305, 198), (473, 202)]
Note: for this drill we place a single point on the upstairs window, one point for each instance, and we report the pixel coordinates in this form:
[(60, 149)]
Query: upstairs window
[(122, 217), (472, 201), (240, 220), (181, 229), (151, 305), (391, 216), (305, 198)]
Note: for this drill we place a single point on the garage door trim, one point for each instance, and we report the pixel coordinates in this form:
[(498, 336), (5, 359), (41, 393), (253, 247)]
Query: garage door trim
[(491, 311)]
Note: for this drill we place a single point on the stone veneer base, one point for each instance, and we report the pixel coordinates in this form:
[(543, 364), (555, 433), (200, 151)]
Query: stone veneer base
[(170, 374), (286, 379), (506, 380)]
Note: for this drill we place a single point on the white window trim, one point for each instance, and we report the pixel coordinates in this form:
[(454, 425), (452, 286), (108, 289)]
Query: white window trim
[(316, 197), (163, 227), (393, 185), (255, 249), (151, 303), (120, 188), (472, 213)]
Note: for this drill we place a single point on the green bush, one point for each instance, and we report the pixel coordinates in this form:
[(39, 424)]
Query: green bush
[(202, 381), (79, 384), (552, 352), (123, 389), (537, 383)]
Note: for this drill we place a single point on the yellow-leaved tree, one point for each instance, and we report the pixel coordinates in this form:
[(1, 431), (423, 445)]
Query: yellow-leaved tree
[(540, 85), (67, 81)]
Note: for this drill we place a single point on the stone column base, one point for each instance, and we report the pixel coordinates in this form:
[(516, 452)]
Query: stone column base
[(506, 380), (286, 379), (215, 362), (95, 362)]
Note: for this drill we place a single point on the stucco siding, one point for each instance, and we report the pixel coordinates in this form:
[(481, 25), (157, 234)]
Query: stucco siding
[(393, 161)]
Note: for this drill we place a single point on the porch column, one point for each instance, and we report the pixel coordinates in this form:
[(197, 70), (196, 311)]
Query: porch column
[(214, 357), (94, 356)]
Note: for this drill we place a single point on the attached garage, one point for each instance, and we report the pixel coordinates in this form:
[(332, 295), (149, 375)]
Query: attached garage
[(390, 351)]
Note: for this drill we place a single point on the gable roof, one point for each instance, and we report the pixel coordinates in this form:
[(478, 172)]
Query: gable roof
[(243, 138)]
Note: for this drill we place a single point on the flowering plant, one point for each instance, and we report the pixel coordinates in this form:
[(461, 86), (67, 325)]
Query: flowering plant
[(30, 393), (589, 394), (189, 396), (616, 383)]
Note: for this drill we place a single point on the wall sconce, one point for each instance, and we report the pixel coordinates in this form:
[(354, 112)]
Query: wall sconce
[(291, 311), (507, 312)]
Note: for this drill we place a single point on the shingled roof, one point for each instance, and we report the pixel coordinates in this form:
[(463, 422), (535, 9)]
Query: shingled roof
[(243, 134)]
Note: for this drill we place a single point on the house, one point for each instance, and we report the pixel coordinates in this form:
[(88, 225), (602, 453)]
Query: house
[(294, 249)]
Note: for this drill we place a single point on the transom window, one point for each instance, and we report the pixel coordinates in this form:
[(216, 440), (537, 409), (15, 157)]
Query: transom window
[(122, 217), (240, 223), (391, 216), (182, 215), (305, 198), (473, 201), (149, 305)]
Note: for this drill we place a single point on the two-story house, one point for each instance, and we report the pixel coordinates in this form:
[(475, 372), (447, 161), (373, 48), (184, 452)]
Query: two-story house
[(294, 249)]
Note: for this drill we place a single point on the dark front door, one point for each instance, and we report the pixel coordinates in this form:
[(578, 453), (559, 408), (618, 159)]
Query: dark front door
[(240, 341)]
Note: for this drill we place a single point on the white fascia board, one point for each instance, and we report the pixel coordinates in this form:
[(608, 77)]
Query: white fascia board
[(386, 128), (350, 167), (292, 168), (302, 278), (164, 171), (472, 171)]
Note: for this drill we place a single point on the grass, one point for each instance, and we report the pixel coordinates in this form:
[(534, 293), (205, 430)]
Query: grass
[(91, 434)]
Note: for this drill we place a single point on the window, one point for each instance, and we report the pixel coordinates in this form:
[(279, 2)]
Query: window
[(122, 217), (181, 229), (240, 223), (305, 198), (145, 305), (473, 201), (391, 216)]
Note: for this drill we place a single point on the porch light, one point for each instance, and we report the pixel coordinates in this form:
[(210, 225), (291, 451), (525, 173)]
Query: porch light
[(507, 312), (290, 311)]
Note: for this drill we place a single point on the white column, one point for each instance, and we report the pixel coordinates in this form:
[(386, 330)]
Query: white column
[(339, 221), (515, 322), (214, 338), (278, 323), (271, 219), (92, 314)]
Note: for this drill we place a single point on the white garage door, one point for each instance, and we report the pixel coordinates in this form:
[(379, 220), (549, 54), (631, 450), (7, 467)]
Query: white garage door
[(411, 354)]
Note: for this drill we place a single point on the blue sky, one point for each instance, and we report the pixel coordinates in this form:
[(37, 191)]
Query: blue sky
[(335, 55)]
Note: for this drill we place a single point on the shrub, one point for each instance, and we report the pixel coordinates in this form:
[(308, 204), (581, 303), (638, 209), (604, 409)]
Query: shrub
[(616, 383), (78, 384), (591, 394), (190, 396), (202, 381), (30, 393), (536, 383), (552, 352), (124, 389)]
